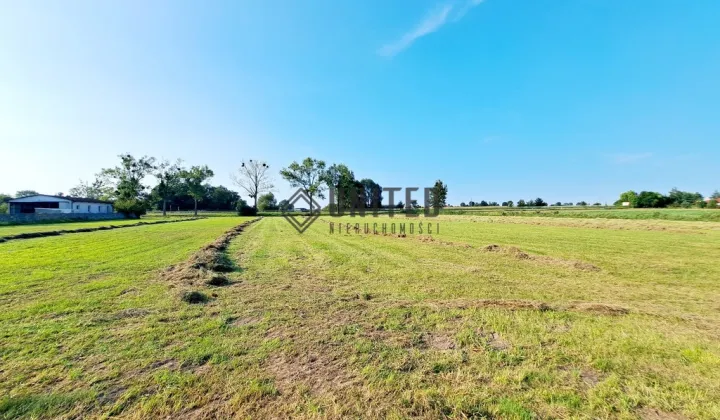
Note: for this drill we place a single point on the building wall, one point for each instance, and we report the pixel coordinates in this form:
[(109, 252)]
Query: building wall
[(56, 217), (82, 207)]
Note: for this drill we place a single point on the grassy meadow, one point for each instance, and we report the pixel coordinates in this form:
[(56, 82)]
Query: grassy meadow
[(9, 230), (491, 317), (591, 212)]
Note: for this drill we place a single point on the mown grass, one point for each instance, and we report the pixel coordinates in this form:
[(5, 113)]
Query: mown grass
[(49, 227), (81, 312), (707, 215), (357, 325)]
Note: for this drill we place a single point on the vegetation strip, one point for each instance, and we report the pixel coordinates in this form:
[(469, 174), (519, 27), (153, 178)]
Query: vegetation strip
[(205, 266), (31, 235)]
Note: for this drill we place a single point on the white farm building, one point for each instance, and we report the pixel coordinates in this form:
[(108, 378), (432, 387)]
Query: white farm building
[(58, 204)]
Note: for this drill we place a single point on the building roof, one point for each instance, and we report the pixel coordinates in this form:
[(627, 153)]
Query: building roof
[(61, 197)]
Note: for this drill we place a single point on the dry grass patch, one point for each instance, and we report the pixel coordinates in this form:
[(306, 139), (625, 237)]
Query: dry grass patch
[(320, 373)]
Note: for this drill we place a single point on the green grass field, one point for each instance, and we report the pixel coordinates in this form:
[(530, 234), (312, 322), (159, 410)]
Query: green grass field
[(708, 215), (49, 227), (563, 318)]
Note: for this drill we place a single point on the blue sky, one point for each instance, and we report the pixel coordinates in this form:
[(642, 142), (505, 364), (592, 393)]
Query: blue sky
[(564, 99)]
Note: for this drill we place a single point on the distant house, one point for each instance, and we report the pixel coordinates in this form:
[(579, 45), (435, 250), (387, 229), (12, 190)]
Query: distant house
[(716, 200), (59, 204), (626, 204)]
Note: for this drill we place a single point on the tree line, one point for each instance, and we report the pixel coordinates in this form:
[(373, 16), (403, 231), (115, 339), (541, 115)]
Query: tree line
[(537, 202), (178, 186), (675, 198)]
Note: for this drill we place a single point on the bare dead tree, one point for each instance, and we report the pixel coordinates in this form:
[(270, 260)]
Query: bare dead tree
[(253, 177)]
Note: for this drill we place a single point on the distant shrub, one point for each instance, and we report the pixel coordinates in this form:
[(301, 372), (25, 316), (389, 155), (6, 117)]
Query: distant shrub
[(244, 210), (131, 208), (247, 211), (3, 208)]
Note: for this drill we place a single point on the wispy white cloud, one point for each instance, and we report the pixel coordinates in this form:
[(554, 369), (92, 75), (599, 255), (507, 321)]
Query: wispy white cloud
[(626, 158), (466, 8), (433, 22)]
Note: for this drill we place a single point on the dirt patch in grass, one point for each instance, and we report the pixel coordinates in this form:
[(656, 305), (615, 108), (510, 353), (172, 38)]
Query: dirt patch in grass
[(590, 377), (322, 374), (496, 342), (648, 413), (31, 235), (522, 255), (440, 342)]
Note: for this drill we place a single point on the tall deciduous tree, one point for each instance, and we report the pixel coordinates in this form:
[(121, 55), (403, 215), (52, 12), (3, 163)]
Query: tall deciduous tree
[(308, 175), (341, 180), (193, 180), (168, 176), (438, 194), (373, 193), (128, 177), (126, 180), (253, 177)]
